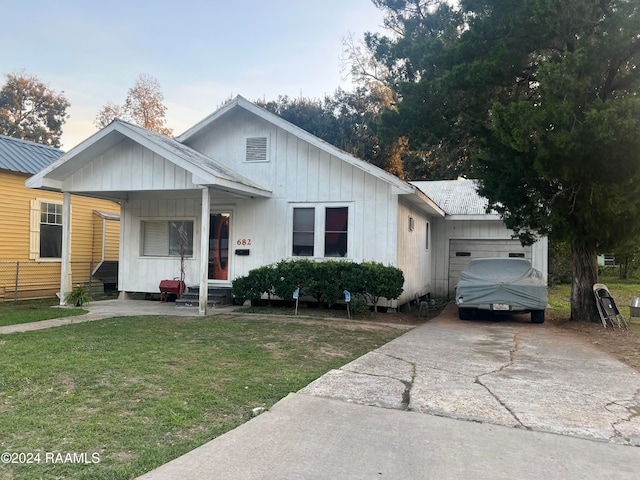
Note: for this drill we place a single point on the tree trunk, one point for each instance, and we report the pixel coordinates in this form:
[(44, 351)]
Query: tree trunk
[(585, 274)]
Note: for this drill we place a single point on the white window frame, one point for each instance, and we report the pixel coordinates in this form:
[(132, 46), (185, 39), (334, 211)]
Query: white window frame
[(320, 229), (35, 229), (155, 220)]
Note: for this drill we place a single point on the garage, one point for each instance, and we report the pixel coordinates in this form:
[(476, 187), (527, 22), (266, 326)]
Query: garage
[(462, 251)]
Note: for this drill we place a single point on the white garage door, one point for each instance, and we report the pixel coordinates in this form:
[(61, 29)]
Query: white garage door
[(462, 251)]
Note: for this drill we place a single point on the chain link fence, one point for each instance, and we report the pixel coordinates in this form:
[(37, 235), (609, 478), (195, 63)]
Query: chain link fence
[(23, 280)]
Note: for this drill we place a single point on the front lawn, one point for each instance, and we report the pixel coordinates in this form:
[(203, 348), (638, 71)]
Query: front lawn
[(136, 392), (27, 311)]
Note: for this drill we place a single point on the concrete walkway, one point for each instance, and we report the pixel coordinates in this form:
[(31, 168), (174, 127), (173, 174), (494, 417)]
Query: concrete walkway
[(114, 308), (447, 400)]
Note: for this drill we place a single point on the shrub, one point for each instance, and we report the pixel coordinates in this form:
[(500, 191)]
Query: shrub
[(292, 274), (325, 281), (381, 281), (258, 282), (78, 296), (358, 305)]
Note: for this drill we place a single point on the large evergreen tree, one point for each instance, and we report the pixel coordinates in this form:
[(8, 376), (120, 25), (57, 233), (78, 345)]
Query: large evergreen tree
[(540, 97)]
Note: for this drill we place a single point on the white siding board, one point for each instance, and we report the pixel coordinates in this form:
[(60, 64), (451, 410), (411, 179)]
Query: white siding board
[(137, 171), (323, 179), (313, 174), (335, 179), (346, 181), (290, 161), (129, 167), (381, 220), (302, 170), (413, 257), (278, 164), (359, 212)]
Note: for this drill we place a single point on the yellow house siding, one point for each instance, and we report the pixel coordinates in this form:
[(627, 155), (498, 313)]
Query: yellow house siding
[(112, 250), (96, 254), (18, 219), (14, 216)]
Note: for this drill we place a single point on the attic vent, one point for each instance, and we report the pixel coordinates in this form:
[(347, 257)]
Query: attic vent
[(256, 149)]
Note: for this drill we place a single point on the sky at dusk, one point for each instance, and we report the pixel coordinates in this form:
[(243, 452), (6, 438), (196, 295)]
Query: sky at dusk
[(201, 52)]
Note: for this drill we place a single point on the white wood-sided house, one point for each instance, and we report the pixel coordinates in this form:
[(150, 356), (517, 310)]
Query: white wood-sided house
[(241, 189)]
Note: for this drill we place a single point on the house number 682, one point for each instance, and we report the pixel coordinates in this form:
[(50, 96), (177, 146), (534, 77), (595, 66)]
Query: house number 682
[(243, 241)]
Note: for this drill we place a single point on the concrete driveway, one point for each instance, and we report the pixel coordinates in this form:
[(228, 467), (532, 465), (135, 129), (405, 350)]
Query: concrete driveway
[(507, 372), (447, 400)]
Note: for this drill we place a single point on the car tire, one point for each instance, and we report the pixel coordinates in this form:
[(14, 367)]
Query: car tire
[(537, 316), (465, 313)]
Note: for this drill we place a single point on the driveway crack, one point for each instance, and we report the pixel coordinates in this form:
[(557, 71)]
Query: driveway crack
[(512, 358), (408, 384), (632, 409)]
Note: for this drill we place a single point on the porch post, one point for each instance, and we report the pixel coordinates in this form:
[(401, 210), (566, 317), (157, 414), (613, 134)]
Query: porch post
[(204, 252), (65, 265)]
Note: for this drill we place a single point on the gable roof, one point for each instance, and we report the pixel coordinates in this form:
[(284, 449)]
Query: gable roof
[(240, 102), (205, 170), (458, 197), (23, 156)]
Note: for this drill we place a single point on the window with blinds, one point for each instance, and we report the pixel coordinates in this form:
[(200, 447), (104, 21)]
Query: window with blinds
[(167, 238)]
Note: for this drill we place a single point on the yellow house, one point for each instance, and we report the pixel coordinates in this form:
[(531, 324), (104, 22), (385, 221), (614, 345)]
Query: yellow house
[(31, 229)]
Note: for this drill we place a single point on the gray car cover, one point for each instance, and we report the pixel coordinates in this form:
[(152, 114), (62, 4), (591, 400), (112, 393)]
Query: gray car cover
[(509, 281)]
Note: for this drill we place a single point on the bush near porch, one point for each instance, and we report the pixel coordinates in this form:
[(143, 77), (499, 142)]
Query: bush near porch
[(325, 281)]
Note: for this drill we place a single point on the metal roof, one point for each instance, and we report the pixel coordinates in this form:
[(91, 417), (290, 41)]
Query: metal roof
[(25, 157), (455, 197)]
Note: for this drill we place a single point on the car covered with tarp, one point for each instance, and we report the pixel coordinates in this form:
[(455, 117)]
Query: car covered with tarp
[(501, 285)]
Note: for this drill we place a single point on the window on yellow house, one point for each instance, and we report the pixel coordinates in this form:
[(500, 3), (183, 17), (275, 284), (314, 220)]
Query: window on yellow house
[(46, 230), (50, 230)]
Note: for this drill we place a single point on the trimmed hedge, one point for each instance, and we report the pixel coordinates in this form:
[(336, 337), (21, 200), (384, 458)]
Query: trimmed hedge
[(325, 281)]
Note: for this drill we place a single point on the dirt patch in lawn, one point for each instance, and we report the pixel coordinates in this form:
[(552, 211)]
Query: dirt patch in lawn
[(621, 344), (368, 321)]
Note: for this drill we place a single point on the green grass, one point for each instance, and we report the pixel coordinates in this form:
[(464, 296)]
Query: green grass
[(140, 391), (621, 290), (26, 311)]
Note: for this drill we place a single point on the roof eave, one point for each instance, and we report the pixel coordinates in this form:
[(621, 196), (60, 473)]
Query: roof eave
[(43, 184), (230, 185), (476, 216), (417, 197)]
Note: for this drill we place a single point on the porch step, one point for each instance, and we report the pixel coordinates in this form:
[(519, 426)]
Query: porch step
[(217, 296)]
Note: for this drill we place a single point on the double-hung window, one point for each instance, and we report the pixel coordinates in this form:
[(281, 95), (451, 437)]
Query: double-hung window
[(304, 231), (320, 231), (50, 230)]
